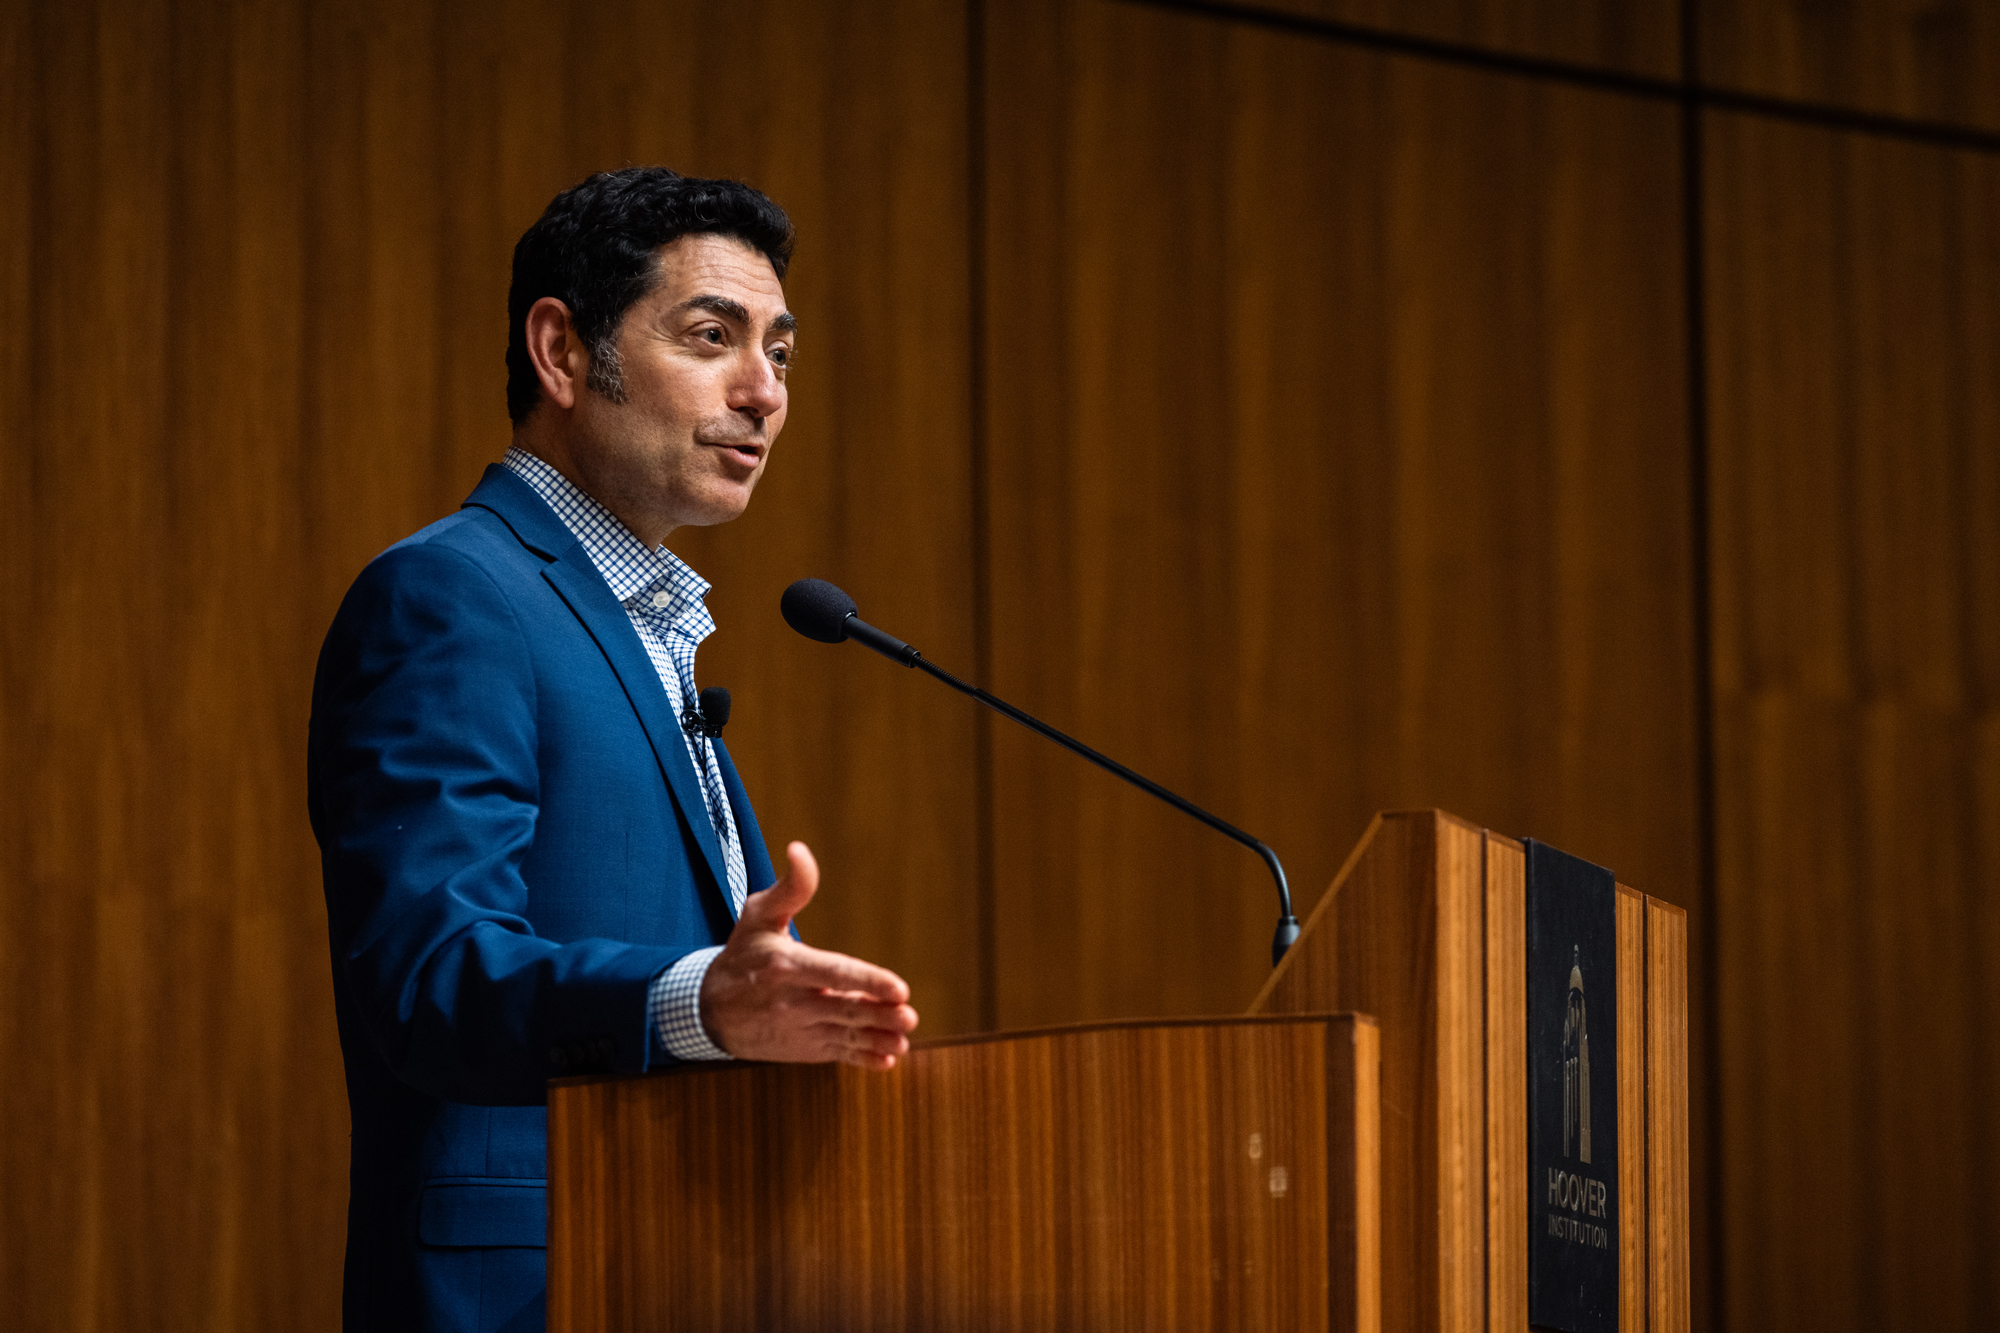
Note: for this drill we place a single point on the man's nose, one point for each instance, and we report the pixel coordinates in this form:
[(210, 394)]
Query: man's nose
[(757, 392)]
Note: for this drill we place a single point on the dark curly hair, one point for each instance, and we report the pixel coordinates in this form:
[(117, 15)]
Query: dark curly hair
[(594, 248)]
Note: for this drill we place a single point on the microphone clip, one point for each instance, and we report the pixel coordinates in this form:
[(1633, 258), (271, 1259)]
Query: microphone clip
[(710, 716)]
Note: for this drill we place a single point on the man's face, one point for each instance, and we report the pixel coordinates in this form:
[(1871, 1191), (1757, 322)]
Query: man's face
[(698, 397)]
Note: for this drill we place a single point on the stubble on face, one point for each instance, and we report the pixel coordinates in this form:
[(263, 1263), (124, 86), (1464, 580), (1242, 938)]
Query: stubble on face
[(686, 401)]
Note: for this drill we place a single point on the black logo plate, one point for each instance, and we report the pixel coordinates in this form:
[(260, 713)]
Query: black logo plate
[(1572, 1093)]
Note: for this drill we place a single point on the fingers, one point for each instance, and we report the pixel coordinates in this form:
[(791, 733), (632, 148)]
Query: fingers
[(786, 965), (774, 908), (825, 971), (880, 1064), (769, 997), (851, 1009), (867, 1048), (878, 1056), (867, 1034)]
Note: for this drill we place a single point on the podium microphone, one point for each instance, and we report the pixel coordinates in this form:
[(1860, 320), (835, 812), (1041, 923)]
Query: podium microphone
[(818, 610)]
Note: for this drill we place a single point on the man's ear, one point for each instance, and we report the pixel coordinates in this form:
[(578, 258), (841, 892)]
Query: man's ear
[(561, 360)]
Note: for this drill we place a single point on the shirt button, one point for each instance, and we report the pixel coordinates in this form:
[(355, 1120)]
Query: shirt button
[(660, 599)]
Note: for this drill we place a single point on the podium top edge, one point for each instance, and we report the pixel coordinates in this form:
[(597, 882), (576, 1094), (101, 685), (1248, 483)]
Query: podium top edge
[(1431, 812), (1011, 1034), (1127, 1024)]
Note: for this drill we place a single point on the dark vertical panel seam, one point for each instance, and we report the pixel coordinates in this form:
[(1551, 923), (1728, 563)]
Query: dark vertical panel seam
[(982, 566), (1700, 540), (1870, 687), (1961, 193)]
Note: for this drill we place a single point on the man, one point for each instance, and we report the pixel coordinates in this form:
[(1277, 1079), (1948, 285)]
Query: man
[(533, 864)]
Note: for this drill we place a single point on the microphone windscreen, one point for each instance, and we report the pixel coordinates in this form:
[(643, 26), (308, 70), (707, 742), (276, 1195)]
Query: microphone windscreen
[(715, 708), (817, 609)]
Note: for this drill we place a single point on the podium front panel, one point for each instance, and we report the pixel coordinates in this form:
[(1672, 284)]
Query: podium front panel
[(1164, 1175)]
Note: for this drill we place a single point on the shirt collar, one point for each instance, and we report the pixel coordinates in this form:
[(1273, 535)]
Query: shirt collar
[(654, 580)]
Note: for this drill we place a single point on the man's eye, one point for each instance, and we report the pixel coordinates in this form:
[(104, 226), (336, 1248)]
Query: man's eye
[(714, 336), (782, 355)]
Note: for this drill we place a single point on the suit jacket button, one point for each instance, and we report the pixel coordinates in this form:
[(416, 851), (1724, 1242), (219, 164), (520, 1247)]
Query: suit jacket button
[(558, 1057)]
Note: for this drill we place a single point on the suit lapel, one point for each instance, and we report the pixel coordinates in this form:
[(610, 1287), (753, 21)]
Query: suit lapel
[(756, 858), (589, 598)]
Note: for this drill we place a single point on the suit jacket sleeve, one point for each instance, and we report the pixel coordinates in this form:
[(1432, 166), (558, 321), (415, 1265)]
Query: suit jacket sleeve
[(423, 790)]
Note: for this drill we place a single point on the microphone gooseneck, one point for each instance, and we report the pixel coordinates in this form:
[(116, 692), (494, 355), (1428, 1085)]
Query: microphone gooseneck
[(820, 611)]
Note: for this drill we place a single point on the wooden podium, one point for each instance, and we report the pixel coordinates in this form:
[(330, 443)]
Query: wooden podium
[(1425, 928), (1300, 1168)]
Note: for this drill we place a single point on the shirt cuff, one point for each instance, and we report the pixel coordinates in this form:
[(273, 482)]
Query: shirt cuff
[(673, 1005)]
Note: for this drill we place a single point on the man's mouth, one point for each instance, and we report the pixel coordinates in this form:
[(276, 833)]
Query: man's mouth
[(749, 453)]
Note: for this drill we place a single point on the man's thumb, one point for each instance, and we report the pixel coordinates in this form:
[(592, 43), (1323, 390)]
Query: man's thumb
[(774, 908)]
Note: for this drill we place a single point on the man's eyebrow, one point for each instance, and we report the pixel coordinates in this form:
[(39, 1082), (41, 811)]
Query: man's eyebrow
[(732, 309), (715, 305)]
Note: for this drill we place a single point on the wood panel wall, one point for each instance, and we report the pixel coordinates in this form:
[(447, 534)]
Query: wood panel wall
[(256, 266), (1935, 60), (1325, 405), (1855, 285), (1630, 36), (1336, 462)]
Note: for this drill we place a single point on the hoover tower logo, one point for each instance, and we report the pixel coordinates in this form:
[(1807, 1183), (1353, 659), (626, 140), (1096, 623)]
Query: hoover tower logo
[(1576, 1066)]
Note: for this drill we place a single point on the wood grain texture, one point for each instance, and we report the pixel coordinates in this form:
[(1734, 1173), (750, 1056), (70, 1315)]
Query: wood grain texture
[(1334, 404), (1355, 1158), (1336, 462), (1669, 1268), (1506, 964), (172, 1070), (1402, 931), (28, 1200), (1854, 285), (1633, 37), (267, 251), (1135, 1176), (1381, 936), (1933, 60), (1635, 1218), (1455, 1146)]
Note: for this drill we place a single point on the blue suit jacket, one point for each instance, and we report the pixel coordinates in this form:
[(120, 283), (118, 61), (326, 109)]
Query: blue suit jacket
[(514, 843)]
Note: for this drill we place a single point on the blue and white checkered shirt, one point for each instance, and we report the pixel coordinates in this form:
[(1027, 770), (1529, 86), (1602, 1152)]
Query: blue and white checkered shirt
[(663, 597)]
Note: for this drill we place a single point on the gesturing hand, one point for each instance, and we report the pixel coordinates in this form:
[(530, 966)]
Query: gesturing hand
[(769, 997)]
